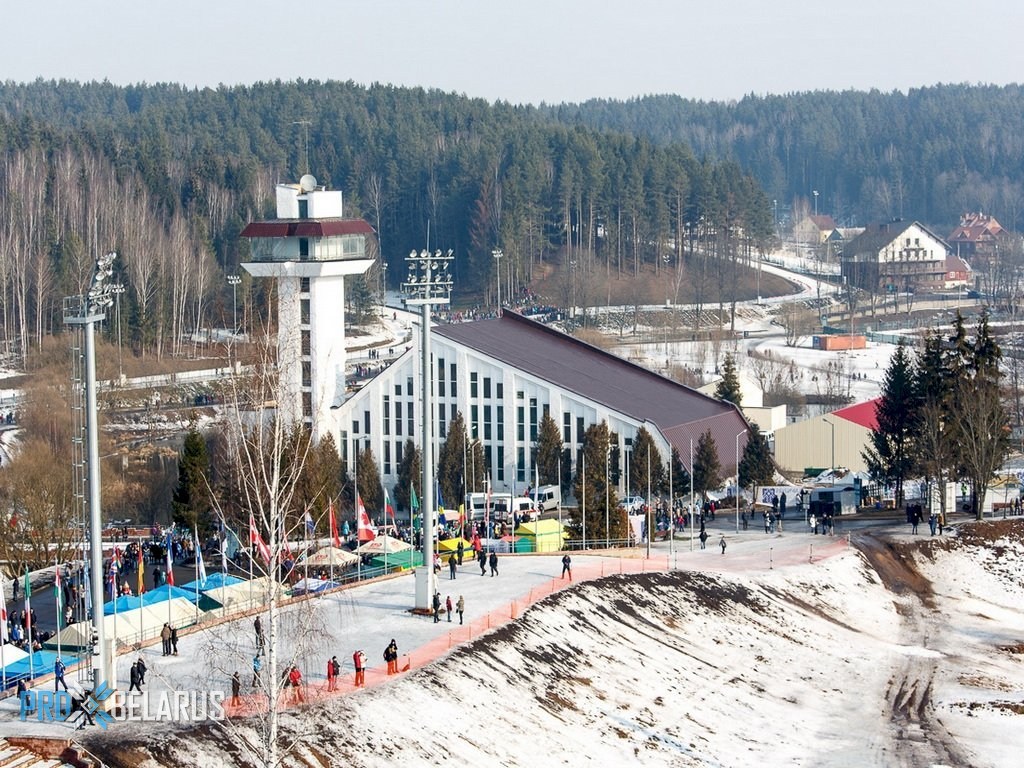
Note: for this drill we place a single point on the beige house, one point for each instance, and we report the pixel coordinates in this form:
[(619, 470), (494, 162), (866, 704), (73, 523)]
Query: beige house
[(836, 439)]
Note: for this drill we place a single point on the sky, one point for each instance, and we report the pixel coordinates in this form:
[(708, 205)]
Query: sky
[(526, 51)]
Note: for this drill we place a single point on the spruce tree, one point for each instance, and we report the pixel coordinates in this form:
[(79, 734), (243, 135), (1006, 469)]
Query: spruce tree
[(409, 474), (452, 461), (891, 455), (728, 388), (368, 482), (597, 495), (707, 469), (190, 502), (645, 454), (680, 477), (756, 466), (549, 451)]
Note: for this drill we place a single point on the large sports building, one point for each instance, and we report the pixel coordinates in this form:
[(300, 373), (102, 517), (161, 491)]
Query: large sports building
[(504, 375)]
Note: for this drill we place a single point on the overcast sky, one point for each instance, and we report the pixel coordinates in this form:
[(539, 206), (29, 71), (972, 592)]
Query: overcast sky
[(523, 51)]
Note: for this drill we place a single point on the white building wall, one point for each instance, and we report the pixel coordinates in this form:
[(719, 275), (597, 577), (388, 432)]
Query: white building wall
[(327, 348), (289, 345), (391, 390)]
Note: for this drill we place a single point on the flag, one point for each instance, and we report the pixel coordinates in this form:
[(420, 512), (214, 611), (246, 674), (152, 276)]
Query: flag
[(310, 525), (389, 511), (3, 610), (57, 589), (414, 503), (462, 514), (200, 565), (440, 505), (142, 569), (112, 583), (257, 541), (28, 608), (366, 530), (335, 538), (87, 589), (170, 562)]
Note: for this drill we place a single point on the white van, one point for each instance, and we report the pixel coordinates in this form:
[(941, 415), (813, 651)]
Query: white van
[(546, 497)]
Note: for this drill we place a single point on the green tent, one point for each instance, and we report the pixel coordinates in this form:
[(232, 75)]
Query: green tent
[(542, 535), (410, 558)]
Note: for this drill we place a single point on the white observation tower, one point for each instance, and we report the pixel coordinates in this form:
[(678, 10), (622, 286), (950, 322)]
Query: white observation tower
[(309, 249)]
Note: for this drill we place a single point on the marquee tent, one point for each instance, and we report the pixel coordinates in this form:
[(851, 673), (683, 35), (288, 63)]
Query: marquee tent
[(340, 558), (138, 624), (242, 596), (383, 544), (212, 581)]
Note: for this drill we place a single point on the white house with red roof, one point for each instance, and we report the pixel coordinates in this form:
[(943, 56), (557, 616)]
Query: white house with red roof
[(836, 439)]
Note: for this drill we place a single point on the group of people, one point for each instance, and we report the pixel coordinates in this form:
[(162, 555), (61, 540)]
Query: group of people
[(459, 607), (169, 638)]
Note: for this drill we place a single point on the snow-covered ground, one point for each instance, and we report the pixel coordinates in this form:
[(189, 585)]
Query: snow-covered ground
[(772, 654)]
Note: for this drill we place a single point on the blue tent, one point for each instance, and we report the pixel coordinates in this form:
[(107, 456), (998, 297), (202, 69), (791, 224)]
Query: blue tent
[(41, 664), (164, 593), (124, 604), (213, 581)]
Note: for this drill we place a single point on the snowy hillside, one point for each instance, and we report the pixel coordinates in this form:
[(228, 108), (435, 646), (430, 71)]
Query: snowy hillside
[(831, 664)]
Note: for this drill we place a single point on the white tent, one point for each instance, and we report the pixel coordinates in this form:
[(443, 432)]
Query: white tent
[(12, 653), (339, 557), (382, 544), (242, 596), (138, 624)]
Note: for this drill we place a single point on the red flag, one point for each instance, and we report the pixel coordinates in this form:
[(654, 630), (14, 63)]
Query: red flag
[(170, 563), (389, 511), (366, 530), (335, 538), (256, 540)]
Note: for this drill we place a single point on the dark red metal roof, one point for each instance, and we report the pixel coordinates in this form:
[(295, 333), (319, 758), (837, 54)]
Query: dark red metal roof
[(681, 413), (307, 228), (865, 414)]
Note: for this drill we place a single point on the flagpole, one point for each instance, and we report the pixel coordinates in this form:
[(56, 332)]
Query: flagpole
[(199, 570), (28, 611), (113, 588), (3, 627), (56, 597), (141, 585), (355, 504)]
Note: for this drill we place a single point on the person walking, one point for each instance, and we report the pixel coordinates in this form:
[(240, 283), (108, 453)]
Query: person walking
[(460, 607), (460, 549), (566, 566), (133, 678), (174, 640), (261, 642), (332, 673), (451, 566), (359, 662), (391, 656), (437, 607), (482, 559), (236, 689), (493, 562), (448, 607), (721, 543), (58, 674), (141, 664), (165, 637), (703, 538)]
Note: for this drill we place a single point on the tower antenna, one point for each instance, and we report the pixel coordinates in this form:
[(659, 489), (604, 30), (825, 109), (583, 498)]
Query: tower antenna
[(305, 124)]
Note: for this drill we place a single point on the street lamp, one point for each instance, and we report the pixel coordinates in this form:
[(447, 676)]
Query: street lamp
[(815, 202), (117, 289), (428, 283), (607, 514), (497, 254), (233, 281), (741, 434)]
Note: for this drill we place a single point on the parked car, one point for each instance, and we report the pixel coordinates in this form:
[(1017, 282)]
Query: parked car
[(634, 505)]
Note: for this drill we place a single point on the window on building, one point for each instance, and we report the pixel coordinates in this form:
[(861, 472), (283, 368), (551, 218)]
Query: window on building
[(387, 458), (474, 420), (579, 430), (410, 419), (408, 386), (307, 404), (440, 377), (499, 422), (488, 456), (398, 452), (520, 464), (442, 424), (454, 380), (307, 345), (303, 209), (567, 427), (307, 373), (520, 423), (303, 285), (501, 464), (487, 387), (499, 390), (533, 419), (387, 414), (303, 247), (472, 384), (355, 427), (366, 422), (304, 311), (487, 422)]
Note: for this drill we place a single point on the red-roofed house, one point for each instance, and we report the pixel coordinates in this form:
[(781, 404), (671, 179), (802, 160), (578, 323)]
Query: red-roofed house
[(836, 439)]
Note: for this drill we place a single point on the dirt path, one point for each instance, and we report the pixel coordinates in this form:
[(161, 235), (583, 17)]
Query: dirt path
[(912, 736)]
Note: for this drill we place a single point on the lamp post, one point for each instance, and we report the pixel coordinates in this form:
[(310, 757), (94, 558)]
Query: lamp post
[(428, 284), (607, 511), (815, 202), (775, 216), (650, 530), (497, 254), (117, 289), (86, 311), (233, 281), (741, 434)]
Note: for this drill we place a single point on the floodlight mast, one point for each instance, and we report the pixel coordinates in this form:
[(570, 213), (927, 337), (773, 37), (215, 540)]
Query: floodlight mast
[(428, 284), (86, 310)]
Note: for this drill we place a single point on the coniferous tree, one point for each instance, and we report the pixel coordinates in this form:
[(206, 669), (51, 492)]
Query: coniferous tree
[(549, 450), (452, 462), (597, 495), (891, 457), (707, 469), (368, 482), (409, 474), (756, 466), (728, 388), (934, 394), (680, 477), (645, 454), (191, 500)]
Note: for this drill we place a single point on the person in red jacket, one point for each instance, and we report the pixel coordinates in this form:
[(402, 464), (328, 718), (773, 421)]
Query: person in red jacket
[(295, 679), (333, 667), (359, 662)]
